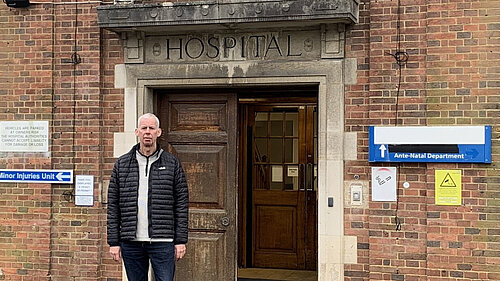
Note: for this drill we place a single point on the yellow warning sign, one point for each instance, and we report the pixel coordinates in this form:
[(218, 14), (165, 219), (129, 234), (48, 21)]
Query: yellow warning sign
[(448, 187), (448, 181)]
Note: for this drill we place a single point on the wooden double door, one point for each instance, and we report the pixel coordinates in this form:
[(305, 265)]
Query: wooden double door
[(202, 131), (250, 183), (281, 169)]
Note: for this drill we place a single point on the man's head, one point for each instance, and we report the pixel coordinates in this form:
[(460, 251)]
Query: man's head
[(148, 130)]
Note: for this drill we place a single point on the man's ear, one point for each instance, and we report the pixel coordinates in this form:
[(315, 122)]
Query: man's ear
[(136, 131), (159, 131)]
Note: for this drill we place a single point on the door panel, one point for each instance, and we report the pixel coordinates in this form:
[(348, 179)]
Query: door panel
[(281, 150), (204, 260), (275, 222), (206, 165), (198, 117), (201, 131)]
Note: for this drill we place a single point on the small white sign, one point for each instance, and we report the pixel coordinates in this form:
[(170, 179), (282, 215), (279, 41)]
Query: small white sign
[(24, 136), (277, 173), (84, 190), (84, 185), (84, 200), (384, 184), (293, 171)]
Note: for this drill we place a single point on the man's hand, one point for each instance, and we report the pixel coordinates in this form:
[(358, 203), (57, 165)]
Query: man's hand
[(115, 253), (180, 251)]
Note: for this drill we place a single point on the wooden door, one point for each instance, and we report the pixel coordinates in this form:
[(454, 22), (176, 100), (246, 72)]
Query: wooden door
[(201, 131), (283, 192)]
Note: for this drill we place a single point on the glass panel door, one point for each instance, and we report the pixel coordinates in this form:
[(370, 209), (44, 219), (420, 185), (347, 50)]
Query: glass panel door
[(283, 185)]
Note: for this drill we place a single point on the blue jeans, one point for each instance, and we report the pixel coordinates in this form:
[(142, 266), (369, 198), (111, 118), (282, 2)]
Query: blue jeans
[(136, 257)]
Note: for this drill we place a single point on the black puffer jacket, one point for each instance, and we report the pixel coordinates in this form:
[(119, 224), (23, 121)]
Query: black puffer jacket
[(167, 199)]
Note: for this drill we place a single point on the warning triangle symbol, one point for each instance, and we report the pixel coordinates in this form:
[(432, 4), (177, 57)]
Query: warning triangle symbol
[(448, 181)]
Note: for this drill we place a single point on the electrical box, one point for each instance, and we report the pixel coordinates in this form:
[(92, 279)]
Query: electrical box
[(356, 194)]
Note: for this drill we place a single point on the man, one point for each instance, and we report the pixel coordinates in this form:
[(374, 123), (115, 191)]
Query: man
[(148, 207)]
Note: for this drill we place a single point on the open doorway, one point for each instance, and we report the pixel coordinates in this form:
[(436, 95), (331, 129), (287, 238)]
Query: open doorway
[(272, 135), (278, 185)]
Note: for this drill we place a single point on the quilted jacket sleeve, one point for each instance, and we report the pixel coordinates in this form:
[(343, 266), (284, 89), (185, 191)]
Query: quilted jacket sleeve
[(113, 209), (181, 205)]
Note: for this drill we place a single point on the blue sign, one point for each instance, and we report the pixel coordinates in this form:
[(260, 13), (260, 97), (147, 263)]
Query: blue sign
[(37, 176), (452, 144)]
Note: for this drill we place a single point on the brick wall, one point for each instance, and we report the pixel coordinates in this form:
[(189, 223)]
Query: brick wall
[(463, 55), (112, 122), (43, 235), (451, 78), (25, 94), (77, 232)]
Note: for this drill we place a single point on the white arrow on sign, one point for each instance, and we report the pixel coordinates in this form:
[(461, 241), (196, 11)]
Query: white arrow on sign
[(60, 176), (382, 151)]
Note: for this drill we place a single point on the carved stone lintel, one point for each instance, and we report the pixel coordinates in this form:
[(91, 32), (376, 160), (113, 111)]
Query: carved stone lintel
[(134, 46), (332, 41)]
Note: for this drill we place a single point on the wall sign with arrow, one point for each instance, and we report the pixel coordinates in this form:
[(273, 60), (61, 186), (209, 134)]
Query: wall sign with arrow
[(451, 144), (37, 176)]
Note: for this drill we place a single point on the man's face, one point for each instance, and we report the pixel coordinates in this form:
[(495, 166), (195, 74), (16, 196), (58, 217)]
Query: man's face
[(148, 132)]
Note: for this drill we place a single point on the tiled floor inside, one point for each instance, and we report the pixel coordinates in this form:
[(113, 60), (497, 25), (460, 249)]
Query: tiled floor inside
[(276, 274)]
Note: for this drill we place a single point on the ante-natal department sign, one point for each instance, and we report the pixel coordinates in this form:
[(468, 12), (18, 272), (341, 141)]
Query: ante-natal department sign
[(452, 144)]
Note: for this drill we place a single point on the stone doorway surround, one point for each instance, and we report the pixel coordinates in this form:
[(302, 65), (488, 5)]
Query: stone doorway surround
[(147, 68), (335, 146)]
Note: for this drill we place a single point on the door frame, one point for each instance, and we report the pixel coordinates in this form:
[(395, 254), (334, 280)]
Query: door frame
[(245, 242), (330, 76)]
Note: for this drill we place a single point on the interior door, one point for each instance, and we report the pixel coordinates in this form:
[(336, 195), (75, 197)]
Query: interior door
[(201, 131), (283, 186)]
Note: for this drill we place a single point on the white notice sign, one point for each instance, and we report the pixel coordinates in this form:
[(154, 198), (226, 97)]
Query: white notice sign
[(293, 171), (84, 190), (24, 136), (384, 184), (84, 200), (277, 173)]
